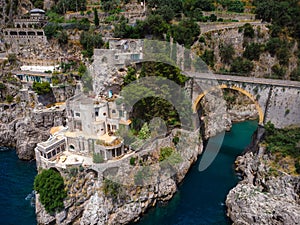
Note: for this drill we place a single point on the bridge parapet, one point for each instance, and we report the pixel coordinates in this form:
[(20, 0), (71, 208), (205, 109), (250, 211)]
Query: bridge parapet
[(276, 101)]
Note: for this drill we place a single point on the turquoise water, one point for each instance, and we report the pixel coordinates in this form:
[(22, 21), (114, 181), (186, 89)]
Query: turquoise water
[(200, 199), (16, 182)]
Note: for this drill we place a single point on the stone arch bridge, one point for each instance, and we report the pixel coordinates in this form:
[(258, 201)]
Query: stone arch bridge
[(277, 101)]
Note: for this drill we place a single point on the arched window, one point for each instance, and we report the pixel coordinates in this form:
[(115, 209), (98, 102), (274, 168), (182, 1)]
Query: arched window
[(71, 147), (22, 33)]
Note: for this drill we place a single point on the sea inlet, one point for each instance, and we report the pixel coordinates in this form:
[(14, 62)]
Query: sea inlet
[(199, 200)]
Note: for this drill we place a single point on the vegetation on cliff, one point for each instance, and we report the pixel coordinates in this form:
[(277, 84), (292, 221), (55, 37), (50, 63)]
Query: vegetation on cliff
[(50, 185), (150, 107), (284, 145), (41, 88)]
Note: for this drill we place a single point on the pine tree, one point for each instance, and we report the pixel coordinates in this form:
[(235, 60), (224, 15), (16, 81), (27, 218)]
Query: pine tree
[(96, 18)]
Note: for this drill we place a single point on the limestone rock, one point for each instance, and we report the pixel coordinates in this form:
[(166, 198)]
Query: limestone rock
[(260, 198)]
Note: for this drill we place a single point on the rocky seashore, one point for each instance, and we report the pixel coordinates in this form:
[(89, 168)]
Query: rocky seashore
[(263, 196), (120, 192)]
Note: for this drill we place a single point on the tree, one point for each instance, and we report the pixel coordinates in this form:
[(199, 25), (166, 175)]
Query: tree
[(252, 51), (130, 76), (89, 41), (82, 69), (62, 37), (144, 132), (38, 3), (50, 185), (213, 18), (186, 32), (12, 58), (226, 53), (242, 66), (62, 6), (208, 57), (110, 5), (236, 6), (155, 25), (167, 9), (51, 30), (278, 72), (295, 74), (248, 30), (96, 18), (41, 88)]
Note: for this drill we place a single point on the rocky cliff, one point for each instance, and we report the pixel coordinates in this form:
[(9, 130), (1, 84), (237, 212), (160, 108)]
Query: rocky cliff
[(25, 121), (263, 196), (23, 128), (122, 191)]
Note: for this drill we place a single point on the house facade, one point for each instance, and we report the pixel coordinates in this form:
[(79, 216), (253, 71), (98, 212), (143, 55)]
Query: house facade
[(91, 129)]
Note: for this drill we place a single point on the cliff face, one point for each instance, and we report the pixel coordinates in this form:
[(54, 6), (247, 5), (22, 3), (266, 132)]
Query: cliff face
[(23, 128), (22, 125), (261, 197), (121, 192)]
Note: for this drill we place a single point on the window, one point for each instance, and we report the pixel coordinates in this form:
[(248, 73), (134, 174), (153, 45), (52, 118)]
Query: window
[(135, 56), (104, 114), (97, 112), (77, 114), (72, 147), (113, 111), (116, 57)]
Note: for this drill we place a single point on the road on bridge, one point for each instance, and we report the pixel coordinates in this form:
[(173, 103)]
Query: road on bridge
[(254, 80)]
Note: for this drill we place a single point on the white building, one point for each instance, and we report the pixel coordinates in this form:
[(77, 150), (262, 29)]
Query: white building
[(92, 123)]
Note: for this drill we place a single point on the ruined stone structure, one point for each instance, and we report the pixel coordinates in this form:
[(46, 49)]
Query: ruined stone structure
[(92, 123), (109, 62), (27, 30)]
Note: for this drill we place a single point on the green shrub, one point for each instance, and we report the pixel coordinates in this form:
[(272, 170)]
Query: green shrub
[(278, 72), (55, 80), (2, 86), (132, 161), (252, 51), (144, 132), (248, 30), (283, 142), (41, 88), (295, 74), (111, 188), (165, 153), (175, 140), (226, 53), (9, 98), (242, 66), (50, 185), (208, 57), (236, 6)]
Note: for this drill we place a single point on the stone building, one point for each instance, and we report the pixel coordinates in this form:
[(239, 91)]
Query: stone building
[(27, 29), (109, 63), (91, 127)]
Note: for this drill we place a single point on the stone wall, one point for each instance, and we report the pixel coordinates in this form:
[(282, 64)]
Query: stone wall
[(280, 104)]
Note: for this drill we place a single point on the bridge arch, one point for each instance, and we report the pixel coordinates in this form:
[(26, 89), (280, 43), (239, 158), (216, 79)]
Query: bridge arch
[(224, 86)]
